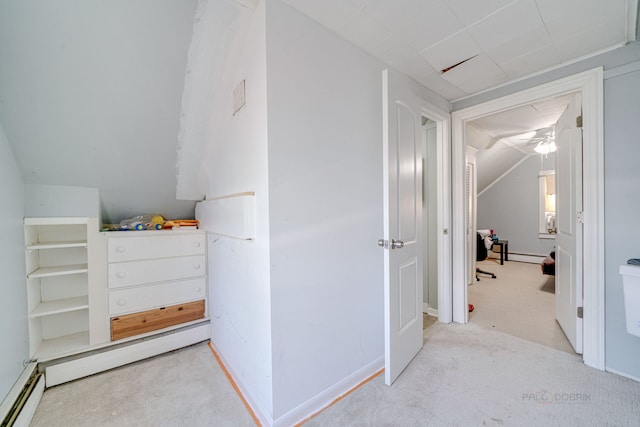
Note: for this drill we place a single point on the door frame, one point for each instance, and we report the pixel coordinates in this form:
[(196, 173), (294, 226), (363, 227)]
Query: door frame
[(443, 200), (590, 84)]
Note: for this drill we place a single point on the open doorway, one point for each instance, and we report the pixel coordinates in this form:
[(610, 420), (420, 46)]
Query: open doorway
[(436, 214), (590, 217), (511, 162)]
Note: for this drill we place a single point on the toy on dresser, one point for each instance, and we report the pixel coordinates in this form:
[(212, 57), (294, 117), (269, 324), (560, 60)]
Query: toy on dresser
[(154, 222)]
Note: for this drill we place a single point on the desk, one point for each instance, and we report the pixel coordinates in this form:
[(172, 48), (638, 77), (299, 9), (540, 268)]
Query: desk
[(504, 250)]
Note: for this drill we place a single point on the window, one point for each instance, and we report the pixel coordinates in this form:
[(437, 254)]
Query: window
[(547, 216)]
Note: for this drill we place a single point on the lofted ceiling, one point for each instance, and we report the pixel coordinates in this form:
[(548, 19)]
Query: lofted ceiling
[(505, 138), (480, 43), (516, 128)]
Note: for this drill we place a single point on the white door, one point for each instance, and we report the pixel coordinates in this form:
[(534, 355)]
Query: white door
[(569, 225), (402, 242)]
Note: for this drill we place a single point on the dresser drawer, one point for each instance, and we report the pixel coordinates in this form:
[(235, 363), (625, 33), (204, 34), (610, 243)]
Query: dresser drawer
[(153, 320), (140, 298), (155, 270), (155, 246)]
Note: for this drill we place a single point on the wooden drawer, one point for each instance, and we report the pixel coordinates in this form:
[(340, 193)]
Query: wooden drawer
[(153, 320), (139, 298), (167, 245), (157, 270)]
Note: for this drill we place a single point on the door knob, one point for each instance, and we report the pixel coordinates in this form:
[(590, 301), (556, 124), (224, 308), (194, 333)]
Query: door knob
[(396, 244)]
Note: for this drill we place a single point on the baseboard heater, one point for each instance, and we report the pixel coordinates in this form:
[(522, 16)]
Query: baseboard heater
[(18, 407), (521, 257), (61, 370)]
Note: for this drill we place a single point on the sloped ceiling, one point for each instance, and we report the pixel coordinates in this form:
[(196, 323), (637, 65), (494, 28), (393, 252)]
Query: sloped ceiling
[(503, 139), (494, 40), (90, 96)]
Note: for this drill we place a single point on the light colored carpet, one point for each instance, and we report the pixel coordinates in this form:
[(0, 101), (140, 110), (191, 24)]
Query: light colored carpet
[(467, 375), (428, 320), (514, 303), (182, 388)]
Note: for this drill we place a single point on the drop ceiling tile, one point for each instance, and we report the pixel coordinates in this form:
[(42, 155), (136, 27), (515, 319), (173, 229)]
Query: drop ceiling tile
[(517, 46), (451, 51), (566, 26), (424, 74), (472, 11), (553, 108), (332, 14), (400, 56), (552, 9), (594, 39), (476, 74), (440, 86), (572, 11), (515, 20), (531, 62), (587, 43), (428, 20), (364, 31), (358, 3), (515, 121)]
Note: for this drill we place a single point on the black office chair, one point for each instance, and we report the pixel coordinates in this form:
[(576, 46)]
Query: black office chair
[(481, 254)]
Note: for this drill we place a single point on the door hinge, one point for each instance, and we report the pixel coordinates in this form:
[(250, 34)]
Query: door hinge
[(579, 121), (580, 217), (580, 313)]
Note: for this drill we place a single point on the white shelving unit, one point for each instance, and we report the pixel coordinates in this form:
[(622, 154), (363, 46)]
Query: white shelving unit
[(80, 279), (57, 267)]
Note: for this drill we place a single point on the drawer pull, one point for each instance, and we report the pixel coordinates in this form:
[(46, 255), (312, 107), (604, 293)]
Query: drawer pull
[(122, 302), (120, 275), (197, 289), (196, 244), (121, 249), (196, 266)]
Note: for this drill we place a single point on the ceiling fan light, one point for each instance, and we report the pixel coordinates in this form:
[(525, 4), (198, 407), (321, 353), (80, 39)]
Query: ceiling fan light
[(545, 147)]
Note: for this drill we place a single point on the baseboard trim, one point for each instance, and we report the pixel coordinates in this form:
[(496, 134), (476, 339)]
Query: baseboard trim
[(58, 373), (331, 395), (529, 258), (622, 374), (256, 412), (429, 310), (311, 407)]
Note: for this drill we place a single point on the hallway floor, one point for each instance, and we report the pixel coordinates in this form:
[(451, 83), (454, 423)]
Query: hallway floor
[(514, 304)]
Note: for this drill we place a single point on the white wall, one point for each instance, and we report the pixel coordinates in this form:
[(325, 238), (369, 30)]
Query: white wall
[(325, 186), (235, 160), (61, 200), (298, 312), (622, 204), (91, 95), (511, 208), (13, 292)]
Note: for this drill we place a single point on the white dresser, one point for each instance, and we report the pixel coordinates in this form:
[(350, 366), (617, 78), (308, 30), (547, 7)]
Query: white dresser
[(156, 279)]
